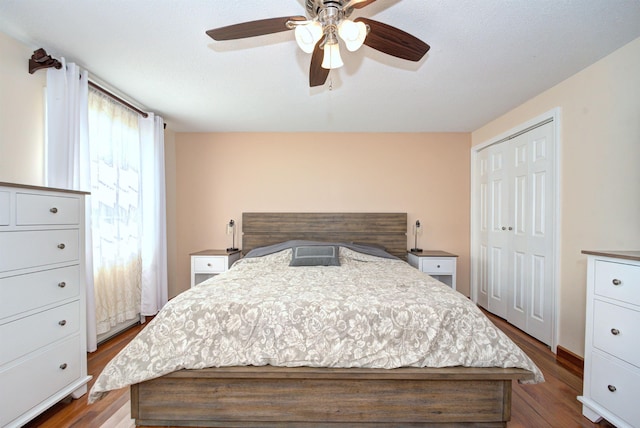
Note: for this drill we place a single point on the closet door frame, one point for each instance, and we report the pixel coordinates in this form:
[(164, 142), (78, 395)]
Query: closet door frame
[(554, 116)]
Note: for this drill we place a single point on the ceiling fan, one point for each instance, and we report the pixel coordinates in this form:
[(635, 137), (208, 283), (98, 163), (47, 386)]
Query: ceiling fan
[(319, 34)]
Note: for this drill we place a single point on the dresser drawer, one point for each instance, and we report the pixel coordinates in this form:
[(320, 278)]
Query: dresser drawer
[(44, 328), (24, 386), (616, 388), (436, 266), (616, 331), (38, 248), (5, 208), (22, 293), (618, 281), (210, 264), (33, 209)]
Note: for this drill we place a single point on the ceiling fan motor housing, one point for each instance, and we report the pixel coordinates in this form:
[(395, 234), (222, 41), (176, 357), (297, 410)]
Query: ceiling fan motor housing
[(315, 7)]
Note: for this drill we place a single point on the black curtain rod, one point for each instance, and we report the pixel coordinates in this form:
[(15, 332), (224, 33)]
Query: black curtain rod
[(118, 99)]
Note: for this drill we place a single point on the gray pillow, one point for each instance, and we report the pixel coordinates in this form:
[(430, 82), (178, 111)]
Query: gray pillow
[(315, 255)]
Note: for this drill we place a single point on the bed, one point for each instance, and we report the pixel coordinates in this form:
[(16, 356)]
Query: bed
[(277, 377)]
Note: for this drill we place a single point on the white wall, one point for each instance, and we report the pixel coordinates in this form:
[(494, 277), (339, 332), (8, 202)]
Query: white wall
[(599, 171), (21, 115)]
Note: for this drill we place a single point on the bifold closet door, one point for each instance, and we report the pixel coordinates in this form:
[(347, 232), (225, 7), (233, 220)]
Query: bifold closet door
[(515, 230)]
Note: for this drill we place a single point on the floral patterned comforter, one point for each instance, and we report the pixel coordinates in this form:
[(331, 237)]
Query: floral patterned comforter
[(369, 312)]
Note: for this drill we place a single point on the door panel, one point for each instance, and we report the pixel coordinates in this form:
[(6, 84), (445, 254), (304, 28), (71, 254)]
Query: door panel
[(538, 309), (538, 209)]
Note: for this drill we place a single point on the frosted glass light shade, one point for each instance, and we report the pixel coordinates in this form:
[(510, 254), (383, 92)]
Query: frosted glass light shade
[(308, 35), (353, 34), (331, 57)]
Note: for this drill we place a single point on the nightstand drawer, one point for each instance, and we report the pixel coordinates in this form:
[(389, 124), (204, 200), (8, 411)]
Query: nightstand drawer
[(210, 264), (32, 209), (618, 281), (616, 388), (437, 266), (616, 331)]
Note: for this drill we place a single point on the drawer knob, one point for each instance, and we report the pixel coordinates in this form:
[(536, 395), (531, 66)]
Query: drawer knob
[(616, 282), (504, 228), (209, 264), (61, 246), (438, 266), (611, 388), (53, 210), (62, 322), (63, 366), (62, 284), (615, 331)]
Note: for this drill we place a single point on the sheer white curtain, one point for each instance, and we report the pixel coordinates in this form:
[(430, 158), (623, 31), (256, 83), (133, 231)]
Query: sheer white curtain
[(127, 167), (116, 210), (67, 154), (154, 244)]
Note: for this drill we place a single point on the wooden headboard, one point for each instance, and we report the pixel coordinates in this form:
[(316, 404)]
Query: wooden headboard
[(384, 229)]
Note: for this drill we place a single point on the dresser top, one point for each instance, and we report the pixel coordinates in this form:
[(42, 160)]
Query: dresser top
[(48, 189), (627, 255)]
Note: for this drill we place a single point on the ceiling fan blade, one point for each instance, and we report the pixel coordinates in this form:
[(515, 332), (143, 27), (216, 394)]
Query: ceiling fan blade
[(393, 41), (317, 74), (253, 28)]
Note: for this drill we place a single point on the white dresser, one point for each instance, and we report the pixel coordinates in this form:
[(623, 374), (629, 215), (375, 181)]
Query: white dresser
[(612, 338), (43, 355)]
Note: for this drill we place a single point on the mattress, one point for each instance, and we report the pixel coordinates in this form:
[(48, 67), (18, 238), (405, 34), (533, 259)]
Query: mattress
[(367, 312)]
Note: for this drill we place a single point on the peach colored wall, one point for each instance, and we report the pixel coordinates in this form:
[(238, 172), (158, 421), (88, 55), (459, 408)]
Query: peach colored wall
[(21, 115), (221, 175), (599, 173)]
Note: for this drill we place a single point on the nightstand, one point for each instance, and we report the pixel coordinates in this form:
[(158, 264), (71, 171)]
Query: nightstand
[(208, 263), (439, 264)]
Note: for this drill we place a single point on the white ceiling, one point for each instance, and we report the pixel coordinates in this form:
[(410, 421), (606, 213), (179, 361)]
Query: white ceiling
[(486, 57)]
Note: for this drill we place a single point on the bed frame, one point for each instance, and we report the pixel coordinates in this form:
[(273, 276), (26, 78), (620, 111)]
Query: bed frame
[(319, 397)]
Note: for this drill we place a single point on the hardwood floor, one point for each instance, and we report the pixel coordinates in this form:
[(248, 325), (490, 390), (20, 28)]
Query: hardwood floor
[(550, 404)]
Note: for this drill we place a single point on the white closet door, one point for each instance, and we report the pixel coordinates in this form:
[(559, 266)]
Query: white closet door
[(514, 271), (483, 202), (540, 237), (519, 224), (498, 240)]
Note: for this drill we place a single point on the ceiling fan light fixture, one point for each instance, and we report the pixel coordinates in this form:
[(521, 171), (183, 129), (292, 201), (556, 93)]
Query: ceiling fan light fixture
[(332, 57), (308, 35), (353, 34)]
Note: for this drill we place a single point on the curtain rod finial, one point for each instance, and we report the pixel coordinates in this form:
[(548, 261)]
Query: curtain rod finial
[(40, 59)]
